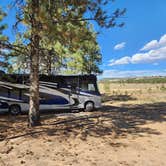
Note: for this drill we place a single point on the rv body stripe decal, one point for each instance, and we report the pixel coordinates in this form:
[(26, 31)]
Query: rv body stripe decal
[(3, 105), (10, 99), (48, 83)]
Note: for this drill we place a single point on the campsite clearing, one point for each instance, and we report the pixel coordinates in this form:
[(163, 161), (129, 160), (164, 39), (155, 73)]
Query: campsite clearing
[(129, 130)]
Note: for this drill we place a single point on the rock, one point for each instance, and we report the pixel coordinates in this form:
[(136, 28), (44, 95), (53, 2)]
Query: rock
[(22, 162)]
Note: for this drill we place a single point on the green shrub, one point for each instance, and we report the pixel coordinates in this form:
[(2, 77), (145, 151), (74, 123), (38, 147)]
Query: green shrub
[(162, 88)]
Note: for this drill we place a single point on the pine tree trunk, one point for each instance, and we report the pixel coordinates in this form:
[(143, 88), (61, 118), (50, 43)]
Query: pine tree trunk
[(34, 114), (49, 63)]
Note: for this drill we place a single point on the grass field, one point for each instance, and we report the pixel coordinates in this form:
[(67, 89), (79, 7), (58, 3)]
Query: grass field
[(132, 93)]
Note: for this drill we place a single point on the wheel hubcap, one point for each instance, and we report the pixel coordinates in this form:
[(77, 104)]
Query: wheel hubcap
[(89, 106), (15, 110)]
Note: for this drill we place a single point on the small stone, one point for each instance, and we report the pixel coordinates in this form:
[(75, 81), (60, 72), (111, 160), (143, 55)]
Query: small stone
[(22, 162)]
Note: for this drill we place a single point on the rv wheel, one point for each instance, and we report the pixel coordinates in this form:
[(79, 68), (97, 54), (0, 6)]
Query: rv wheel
[(89, 106), (15, 109)]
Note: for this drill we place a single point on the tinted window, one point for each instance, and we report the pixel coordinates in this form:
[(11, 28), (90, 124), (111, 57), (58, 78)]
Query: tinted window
[(91, 87), (4, 92), (15, 93), (88, 87)]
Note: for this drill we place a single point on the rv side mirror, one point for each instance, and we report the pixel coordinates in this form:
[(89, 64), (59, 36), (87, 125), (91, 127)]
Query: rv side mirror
[(78, 89), (69, 86)]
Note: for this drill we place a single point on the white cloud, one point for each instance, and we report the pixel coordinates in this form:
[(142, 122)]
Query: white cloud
[(156, 51), (132, 73), (120, 46), (154, 44), (163, 40), (121, 61), (112, 60)]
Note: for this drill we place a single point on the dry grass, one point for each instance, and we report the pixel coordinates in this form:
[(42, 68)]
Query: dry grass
[(120, 94)]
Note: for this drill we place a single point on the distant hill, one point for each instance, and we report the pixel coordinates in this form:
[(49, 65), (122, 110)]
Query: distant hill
[(154, 79)]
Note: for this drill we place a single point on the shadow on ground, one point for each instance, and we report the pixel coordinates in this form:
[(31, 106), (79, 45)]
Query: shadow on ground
[(115, 122), (106, 97)]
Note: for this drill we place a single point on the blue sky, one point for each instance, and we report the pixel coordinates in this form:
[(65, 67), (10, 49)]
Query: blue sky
[(137, 49), (145, 21)]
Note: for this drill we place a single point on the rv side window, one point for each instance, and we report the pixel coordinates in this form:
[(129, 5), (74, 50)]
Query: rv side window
[(4, 92), (91, 87), (15, 93), (88, 87)]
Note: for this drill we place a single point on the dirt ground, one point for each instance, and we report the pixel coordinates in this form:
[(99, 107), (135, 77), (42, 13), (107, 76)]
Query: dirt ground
[(129, 130)]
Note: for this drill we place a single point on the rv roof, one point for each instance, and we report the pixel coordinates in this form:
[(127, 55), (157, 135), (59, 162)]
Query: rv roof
[(20, 78)]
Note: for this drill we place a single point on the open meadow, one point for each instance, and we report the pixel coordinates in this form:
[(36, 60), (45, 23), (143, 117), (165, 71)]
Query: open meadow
[(129, 130), (132, 93)]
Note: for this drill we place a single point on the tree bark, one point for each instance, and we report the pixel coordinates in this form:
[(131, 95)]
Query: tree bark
[(49, 63), (34, 113)]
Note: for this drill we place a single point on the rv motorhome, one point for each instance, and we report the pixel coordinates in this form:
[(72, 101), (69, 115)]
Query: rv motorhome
[(56, 92)]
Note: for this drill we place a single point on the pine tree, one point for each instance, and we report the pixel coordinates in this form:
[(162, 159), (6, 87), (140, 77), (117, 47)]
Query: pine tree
[(3, 38), (61, 22)]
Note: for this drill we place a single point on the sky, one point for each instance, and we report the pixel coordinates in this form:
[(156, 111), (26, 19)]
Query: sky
[(138, 48)]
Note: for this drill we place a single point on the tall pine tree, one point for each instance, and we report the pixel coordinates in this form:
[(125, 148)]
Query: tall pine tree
[(3, 38), (61, 21)]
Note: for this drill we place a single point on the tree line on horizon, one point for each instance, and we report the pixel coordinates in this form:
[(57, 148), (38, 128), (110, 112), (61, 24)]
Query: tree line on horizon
[(151, 80)]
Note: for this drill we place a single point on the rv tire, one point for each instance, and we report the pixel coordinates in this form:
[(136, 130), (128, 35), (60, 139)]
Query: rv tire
[(89, 106), (15, 109)]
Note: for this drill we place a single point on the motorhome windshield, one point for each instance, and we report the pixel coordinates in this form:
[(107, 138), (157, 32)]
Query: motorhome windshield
[(88, 86)]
